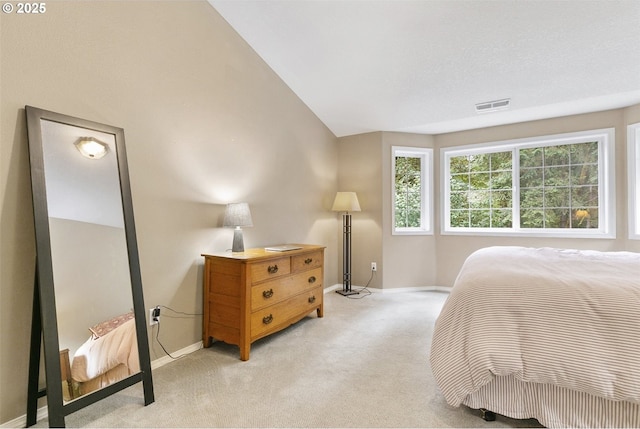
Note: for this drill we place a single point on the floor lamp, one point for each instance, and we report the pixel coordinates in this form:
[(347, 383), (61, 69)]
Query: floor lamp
[(346, 202)]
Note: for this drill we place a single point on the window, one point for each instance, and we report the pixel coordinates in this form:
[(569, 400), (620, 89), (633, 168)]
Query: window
[(481, 190), (548, 186), (633, 147), (412, 183)]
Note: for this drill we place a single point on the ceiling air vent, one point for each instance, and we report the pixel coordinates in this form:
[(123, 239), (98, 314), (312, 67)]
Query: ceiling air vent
[(492, 106)]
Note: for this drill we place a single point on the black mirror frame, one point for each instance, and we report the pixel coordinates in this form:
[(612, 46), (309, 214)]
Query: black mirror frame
[(44, 329)]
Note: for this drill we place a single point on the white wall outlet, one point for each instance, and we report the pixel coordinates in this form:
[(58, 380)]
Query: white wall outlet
[(154, 315), (374, 266)]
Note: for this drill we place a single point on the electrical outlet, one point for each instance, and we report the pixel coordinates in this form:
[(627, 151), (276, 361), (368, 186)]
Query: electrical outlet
[(154, 315), (374, 266)]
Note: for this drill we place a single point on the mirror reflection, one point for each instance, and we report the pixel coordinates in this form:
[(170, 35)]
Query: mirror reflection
[(94, 304)]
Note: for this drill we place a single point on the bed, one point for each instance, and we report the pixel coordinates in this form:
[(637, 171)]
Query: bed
[(109, 355), (544, 333)]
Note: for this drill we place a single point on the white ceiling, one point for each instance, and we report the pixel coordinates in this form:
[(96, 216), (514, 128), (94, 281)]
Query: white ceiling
[(422, 65)]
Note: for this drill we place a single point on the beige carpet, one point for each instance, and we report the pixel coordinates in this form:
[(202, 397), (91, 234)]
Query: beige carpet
[(365, 364)]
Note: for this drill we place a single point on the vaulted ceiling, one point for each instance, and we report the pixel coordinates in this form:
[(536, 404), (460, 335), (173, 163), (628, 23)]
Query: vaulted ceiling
[(422, 65)]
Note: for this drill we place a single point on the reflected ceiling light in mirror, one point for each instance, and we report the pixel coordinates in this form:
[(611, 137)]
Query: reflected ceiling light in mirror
[(91, 147)]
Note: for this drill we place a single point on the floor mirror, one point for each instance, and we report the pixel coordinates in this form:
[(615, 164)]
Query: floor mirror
[(88, 307)]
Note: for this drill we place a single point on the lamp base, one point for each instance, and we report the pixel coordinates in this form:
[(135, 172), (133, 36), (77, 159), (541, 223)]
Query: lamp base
[(347, 292), (238, 242)]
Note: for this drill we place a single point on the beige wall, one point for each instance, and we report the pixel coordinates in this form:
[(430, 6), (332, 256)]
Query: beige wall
[(409, 261), (632, 115), (434, 260), (360, 170), (206, 122), (364, 166), (452, 250)]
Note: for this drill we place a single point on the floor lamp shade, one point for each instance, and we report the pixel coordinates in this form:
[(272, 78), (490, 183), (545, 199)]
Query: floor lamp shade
[(237, 215), (346, 202)]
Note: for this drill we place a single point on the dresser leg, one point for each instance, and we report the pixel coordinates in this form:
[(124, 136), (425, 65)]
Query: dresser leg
[(244, 353), (320, 310)]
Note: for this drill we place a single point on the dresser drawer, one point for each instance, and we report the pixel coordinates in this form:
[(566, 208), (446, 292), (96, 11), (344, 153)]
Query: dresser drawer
[(274, 291), (270, 269), (306, 262), (285, 313)]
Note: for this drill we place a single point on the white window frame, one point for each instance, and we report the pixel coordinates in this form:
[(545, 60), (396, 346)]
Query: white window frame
[(426, 186), (606, 183), (633, 159)]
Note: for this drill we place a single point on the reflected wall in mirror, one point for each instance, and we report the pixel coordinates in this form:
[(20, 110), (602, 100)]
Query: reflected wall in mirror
[(93, 321)]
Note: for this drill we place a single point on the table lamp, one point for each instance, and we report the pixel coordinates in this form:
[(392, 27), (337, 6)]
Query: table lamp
[(237, 215)]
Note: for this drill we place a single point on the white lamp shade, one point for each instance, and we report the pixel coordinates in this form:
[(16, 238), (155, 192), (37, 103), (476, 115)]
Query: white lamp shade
[(346, 202), (237, 214)]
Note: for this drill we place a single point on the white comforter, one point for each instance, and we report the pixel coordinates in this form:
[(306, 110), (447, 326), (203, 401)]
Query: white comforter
[(563, 317), (97, 356)]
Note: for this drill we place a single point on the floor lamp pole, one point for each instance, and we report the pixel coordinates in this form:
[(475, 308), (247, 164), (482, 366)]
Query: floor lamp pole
[(346, 256)]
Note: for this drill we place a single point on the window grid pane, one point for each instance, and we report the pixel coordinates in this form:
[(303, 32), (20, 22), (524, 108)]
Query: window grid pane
[(480, 187), (559, 186), (408, 192)]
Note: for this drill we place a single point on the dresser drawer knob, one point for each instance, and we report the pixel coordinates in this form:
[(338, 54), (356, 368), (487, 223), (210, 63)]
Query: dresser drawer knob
[(308, 261), (312, 299), (267, 293), (267, 319), (272, 269), (312, 279)]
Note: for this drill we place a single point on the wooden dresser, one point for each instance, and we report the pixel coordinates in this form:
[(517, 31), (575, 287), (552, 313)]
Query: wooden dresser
[(249, 295)]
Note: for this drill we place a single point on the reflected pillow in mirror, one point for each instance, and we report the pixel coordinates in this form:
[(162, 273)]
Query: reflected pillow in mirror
[(107, 326)]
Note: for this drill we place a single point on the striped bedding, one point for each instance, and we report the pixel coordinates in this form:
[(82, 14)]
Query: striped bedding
[(552, 334)]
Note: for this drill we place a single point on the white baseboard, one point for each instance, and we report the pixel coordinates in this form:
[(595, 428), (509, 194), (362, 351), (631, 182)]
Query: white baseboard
[(20, 422), (394, 290), (43, 412), (155, 364)]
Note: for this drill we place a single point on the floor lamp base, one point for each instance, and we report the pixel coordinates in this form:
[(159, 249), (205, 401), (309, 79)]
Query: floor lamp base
[(347, 292)]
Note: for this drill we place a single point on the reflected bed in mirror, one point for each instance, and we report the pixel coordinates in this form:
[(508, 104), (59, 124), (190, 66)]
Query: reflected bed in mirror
[(88, 277), (110, 354)]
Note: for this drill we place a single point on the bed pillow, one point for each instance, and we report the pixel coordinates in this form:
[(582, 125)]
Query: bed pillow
[(107, 326)]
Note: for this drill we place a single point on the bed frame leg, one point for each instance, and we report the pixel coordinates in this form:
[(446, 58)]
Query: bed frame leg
[(487, 416)]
